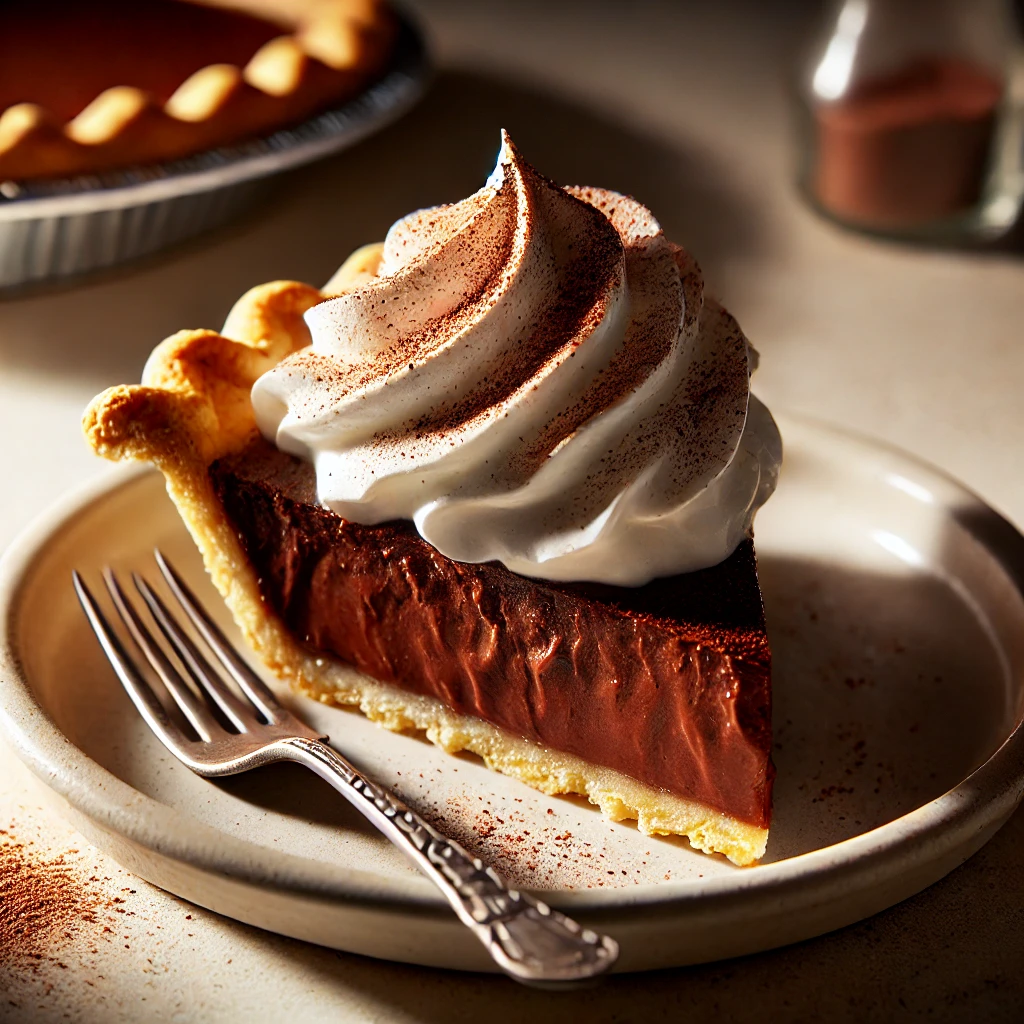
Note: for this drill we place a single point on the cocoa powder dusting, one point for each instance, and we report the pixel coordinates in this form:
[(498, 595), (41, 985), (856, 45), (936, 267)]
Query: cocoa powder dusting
[(540, 857), (44, 901)]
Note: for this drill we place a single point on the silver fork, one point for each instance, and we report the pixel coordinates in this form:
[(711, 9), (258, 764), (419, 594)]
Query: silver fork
[(527, 939)]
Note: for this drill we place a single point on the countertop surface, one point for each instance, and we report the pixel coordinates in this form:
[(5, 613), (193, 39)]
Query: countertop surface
[(682, 105)]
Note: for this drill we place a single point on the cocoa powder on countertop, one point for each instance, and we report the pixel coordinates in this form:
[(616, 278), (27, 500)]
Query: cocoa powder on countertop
[(44, 900)]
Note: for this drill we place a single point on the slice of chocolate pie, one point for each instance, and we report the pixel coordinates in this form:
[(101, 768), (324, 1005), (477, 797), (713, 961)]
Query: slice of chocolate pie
[(496, 483)]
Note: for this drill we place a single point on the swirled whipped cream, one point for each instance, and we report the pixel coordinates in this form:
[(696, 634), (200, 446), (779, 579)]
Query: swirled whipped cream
[(534, 376)]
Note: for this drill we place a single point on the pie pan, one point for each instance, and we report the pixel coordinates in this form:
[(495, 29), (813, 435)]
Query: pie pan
[(55, 229), (895, 604)]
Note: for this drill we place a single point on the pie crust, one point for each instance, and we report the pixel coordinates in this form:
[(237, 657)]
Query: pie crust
[(192, 408), (326, 52)]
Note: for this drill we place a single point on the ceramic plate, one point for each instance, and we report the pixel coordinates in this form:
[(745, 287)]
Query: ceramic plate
[(895, 608)]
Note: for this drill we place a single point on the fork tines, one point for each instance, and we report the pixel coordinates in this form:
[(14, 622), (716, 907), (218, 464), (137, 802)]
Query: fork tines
[(206, 700)]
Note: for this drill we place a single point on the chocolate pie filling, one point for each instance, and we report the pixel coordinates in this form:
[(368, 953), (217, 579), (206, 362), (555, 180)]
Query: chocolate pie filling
[(667, 683)]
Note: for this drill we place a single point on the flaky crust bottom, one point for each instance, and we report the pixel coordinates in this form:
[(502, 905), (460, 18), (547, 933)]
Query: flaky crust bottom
[(192, 408)]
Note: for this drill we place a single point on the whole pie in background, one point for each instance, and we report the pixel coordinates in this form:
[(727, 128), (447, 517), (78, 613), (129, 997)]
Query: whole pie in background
[(92, 87)]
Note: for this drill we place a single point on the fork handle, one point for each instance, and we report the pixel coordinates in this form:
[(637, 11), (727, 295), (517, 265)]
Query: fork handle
[(526, 938)]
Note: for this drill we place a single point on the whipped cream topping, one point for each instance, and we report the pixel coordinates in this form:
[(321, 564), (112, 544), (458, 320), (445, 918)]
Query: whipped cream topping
[(534, 376)]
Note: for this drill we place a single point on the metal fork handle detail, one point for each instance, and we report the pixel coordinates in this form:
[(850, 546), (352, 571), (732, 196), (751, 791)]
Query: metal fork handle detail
[(525, 937)]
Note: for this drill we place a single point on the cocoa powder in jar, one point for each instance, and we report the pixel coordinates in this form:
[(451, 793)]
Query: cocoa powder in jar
[(907, 148)]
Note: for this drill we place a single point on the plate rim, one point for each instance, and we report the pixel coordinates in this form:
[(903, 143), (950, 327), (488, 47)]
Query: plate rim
[(982, 801)]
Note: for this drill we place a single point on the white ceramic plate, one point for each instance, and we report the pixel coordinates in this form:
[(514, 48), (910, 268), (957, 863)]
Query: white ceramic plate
[(894, 600)]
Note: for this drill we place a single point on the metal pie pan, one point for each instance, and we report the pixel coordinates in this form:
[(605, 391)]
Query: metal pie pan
[(51, 230)]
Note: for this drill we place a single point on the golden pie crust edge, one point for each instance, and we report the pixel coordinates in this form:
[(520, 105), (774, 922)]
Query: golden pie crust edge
[(193, 407), (334, 49)]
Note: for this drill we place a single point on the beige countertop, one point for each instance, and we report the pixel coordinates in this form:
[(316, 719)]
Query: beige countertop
[(683, 106)]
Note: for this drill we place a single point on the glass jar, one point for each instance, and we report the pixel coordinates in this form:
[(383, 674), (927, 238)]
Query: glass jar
[(908, 126)]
